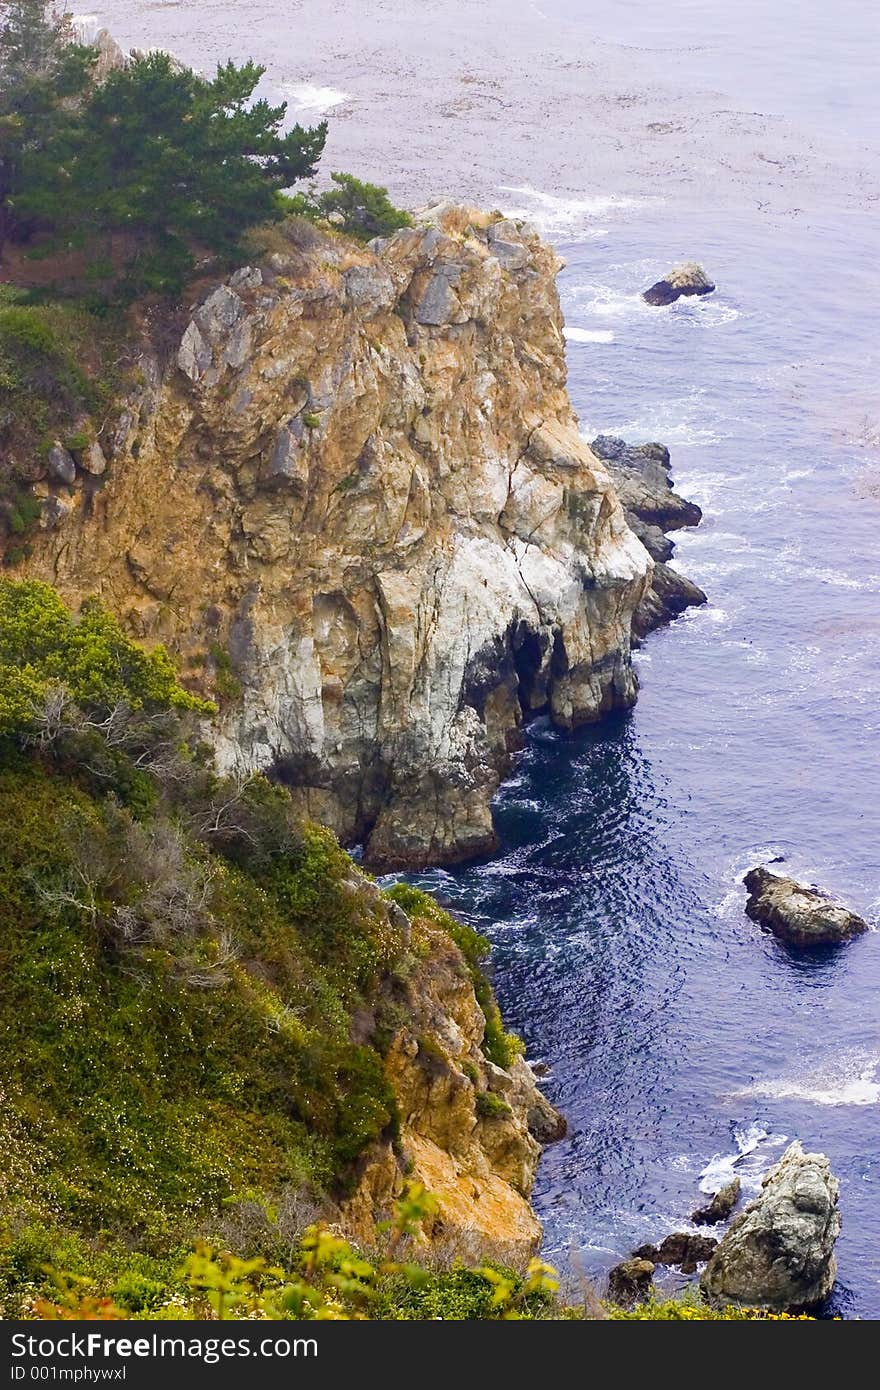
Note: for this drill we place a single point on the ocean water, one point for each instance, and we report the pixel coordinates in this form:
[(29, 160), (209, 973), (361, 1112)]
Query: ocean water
[(682, 1043)]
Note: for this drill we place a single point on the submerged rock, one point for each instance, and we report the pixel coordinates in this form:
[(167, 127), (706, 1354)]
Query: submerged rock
[(682, 1249), (779, 1253), (720, 1207), (683, 280), (644, 485), (631, 1282), (802, 916)]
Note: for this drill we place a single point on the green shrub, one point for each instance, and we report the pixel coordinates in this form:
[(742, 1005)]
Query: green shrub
[(361, 210), (23, 330), (491, 1107), (44, 647)]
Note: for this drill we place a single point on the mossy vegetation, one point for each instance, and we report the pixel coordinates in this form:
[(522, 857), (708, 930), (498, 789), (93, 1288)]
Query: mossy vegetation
[(491, 1107), (182, 962)]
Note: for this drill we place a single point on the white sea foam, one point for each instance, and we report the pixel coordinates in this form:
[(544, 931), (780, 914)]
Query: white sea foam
[(606, 302), (850, 1079), (723, 1168), (708, 313), (565, 217), (588, 335), (306, 98)]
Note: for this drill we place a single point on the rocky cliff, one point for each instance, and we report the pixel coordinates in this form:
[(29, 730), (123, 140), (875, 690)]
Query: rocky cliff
[(354, 500), (471, 1132)]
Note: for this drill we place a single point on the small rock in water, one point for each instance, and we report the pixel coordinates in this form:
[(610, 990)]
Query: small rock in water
[(779, 1253), (630, 1282), (682, 1249), (796, 914), (720, 1207), (683, 280)]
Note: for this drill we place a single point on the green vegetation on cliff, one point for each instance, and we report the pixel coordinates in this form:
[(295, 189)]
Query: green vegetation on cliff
[(143, 167), (183, 961)]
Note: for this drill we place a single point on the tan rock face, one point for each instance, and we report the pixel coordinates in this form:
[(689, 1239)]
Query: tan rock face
[(480, 1166), (361, 480)]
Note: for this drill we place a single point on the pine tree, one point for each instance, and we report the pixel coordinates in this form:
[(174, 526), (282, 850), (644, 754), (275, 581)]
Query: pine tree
[(41, 70), (166, 162)]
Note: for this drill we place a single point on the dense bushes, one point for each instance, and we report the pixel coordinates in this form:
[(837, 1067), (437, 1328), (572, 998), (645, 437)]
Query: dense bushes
[(87, 663)]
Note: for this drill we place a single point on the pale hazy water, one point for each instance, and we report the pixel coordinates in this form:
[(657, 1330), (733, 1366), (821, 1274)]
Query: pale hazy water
[(678, 1036)]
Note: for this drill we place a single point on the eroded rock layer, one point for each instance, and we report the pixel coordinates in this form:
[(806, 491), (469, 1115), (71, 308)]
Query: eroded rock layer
[(356, 503)]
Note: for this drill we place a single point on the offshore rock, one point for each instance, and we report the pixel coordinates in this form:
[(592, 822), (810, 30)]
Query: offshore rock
[(360, 477), (779, 1253), (644, 485), (685, 279), (801, 916), (720, 1207), (682, 1249)]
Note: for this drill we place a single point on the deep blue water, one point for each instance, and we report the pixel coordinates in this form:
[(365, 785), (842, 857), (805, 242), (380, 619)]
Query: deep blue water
[(676, 1033)]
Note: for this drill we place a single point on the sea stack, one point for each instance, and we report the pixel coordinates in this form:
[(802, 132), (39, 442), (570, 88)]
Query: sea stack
[(779, 1253), (796, 914)]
